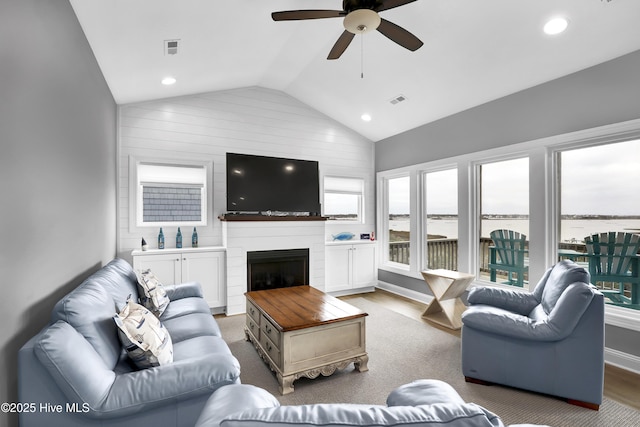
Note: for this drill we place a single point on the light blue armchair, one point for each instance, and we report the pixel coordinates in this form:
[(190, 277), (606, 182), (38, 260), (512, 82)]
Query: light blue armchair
[(549, 341)]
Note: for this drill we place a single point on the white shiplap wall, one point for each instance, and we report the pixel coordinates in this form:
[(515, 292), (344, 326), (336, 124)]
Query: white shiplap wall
[(254, 120)]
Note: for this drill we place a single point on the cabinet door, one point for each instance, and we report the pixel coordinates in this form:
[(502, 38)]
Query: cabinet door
[(207, 268), (363, 265), (337, 268), (166, 267)]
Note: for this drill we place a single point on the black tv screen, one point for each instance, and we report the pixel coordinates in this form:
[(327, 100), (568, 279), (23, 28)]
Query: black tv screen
[(258, 184)]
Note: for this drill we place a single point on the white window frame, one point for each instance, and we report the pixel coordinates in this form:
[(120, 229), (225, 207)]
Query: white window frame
[(136, 223), (422, 188), (356, 190), (475, 209), (412, 269)]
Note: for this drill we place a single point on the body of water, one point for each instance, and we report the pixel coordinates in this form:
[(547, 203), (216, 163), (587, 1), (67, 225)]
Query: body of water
[(571, 230)]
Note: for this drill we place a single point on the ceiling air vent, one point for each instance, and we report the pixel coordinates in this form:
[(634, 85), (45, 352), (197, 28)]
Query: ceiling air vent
[(398, 99), (170, 47)]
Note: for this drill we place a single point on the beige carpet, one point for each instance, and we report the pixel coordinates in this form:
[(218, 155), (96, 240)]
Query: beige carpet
[(402, 350)]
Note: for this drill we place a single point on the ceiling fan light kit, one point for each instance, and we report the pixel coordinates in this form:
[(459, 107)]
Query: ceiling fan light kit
[(361, 21), (360, 16)]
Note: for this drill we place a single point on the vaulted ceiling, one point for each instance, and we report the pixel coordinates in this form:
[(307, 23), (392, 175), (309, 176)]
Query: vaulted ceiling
[(474, 51)]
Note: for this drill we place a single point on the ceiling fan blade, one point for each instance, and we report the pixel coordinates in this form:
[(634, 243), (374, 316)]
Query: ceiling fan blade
[(341, 45), (390, 4), (399, 35), (295, 15)]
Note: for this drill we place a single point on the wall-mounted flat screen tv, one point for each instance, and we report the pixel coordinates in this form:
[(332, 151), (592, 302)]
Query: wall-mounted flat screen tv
[(257, 184)]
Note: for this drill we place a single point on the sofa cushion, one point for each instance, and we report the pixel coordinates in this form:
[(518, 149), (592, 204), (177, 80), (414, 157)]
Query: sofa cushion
[(75, 365), (89, 309), (145, 339), (185, 306), (191, 325), (197, 346), (562, 275), (152, 293), (325, 415), (423, 392)]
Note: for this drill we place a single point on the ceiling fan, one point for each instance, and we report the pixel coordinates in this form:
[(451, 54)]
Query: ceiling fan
[(360, 16)]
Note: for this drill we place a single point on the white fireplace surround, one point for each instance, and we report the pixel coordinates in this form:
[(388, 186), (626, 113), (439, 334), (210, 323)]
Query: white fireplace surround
[(240, 237)]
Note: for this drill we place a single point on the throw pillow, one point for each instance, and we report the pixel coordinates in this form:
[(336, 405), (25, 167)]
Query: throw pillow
[(145, 339), (152, 293)]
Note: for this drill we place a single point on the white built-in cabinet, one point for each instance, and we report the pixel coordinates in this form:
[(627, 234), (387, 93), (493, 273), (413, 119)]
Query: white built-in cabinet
[(204, 265), (350, 265)]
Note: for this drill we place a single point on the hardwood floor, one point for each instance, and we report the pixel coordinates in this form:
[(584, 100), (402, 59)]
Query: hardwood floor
[(619, 384)]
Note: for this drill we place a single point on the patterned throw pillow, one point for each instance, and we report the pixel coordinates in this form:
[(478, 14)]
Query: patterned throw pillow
[(152, 294), (145, 339)]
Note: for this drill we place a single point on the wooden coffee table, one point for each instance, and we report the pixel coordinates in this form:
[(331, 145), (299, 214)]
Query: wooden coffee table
[(302, 332)]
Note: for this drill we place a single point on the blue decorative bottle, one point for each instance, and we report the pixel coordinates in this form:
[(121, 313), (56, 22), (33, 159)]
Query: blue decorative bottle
[(161, 239), (194, 238), (179, 239)]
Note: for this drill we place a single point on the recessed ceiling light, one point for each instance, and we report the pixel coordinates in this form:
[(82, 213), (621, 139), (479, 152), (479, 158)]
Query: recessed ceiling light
[(556, 26), (366, 117), (167, 81)]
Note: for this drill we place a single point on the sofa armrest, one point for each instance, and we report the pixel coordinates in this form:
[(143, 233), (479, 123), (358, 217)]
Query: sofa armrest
[(183, 290), (424, 392), (517, 301), (179, 381), (231, 399), (84, 378)]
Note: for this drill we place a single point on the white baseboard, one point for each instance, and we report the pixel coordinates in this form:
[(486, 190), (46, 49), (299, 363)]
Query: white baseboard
[(622, 360), (404, 292), (364, 290), (617, 358)]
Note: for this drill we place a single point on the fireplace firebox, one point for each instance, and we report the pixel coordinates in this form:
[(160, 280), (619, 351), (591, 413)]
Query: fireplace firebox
[(277, 269)]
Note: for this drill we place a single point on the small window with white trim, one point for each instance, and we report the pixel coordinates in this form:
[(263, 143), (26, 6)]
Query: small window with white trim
[(343, 199), (171, 194)]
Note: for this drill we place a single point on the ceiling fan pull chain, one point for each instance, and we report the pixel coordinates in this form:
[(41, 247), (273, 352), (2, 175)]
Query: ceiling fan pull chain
[(362, 55)]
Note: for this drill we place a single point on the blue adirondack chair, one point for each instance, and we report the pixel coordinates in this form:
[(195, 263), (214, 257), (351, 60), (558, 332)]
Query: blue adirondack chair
[(508, 254), (613, 258)]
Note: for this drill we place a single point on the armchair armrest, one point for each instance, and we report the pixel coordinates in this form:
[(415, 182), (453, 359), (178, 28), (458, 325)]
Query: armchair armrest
[(555, 326), (183, 290), (516, 301)]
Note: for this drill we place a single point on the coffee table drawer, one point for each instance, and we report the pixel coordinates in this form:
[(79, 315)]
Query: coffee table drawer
[(253, 312), (271, 331), (253, 327), (271, 350)]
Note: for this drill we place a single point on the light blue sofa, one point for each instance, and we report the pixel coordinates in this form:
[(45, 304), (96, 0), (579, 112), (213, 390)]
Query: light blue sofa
[(426, 403), (549, 341), (76, 364)]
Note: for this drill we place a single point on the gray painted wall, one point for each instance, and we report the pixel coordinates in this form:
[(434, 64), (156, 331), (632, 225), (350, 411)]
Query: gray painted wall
[(604, 94), (57, 170)]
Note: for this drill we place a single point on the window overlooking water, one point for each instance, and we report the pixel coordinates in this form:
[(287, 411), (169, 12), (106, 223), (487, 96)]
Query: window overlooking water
[(399, 219), (598, 188), (441, 219), (504, 221), (343, 199)]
